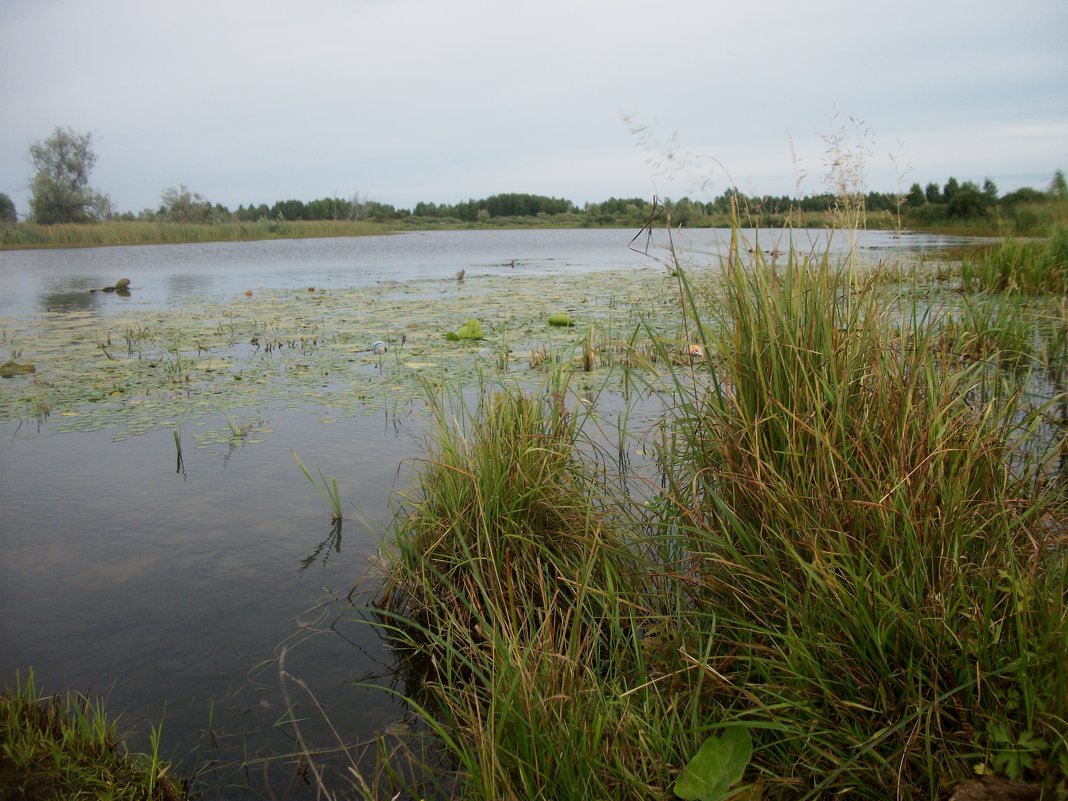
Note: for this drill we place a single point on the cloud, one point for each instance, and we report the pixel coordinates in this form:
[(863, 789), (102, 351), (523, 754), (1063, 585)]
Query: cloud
[(256, 101)]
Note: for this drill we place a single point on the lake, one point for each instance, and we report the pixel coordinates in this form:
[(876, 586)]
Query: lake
[(171, 580), (32, 280)]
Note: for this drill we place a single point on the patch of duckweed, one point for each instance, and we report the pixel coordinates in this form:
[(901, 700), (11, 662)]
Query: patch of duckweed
[(148, 368)]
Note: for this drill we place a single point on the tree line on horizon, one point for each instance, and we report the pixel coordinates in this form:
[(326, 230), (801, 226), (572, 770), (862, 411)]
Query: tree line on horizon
[(61, 193)]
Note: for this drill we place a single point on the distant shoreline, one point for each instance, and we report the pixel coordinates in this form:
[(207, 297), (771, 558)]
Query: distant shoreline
[(114, 233)]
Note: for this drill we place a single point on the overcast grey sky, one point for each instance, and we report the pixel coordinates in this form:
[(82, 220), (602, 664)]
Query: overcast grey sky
[(250, 101)]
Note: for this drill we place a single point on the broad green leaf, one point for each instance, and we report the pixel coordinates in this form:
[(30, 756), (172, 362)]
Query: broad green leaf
[(716, 767), (472, 329)]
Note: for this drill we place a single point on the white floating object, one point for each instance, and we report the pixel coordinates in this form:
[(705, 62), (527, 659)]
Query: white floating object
[(378, 347)]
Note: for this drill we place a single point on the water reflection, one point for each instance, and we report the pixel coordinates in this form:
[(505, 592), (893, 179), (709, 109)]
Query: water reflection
[(180, 465), (168, 592), (69, 300), (331, 543), (180, 286)]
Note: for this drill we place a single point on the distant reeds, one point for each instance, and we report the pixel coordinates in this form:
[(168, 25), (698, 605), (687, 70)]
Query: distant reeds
[(1028, 267), (143, 232)]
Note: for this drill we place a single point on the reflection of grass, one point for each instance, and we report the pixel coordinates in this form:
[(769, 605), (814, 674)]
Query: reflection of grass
[(180, 462), (332, 542), (57, 747)]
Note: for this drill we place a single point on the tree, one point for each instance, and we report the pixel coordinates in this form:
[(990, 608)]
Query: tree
[(1024, 194), (7, 209), (60, 187), (950, 189), (288, 210), (182, 206), (915, 198), (968, 200), (933, 193), (1058, 187), (990, 189)]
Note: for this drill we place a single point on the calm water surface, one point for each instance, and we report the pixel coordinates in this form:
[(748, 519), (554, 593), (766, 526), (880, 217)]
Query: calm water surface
[(173, 592), (171, 274)]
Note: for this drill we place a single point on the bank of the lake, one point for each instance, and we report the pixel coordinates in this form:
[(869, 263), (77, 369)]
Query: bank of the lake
[(144, 232), (171, 549), (64, 746)]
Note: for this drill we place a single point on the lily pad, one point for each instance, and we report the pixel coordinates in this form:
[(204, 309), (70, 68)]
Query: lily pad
[(292, 348), (10, 369), (561, 319)]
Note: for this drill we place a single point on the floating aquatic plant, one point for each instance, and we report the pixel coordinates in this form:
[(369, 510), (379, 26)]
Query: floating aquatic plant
[(292, 349), (472, 329), (10, 369)]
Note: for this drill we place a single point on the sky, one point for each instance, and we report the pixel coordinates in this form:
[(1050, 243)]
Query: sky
[(401, 101)]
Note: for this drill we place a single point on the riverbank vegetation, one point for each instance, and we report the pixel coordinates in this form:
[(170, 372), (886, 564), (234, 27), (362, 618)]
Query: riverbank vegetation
[(850, 552), (64, 747), (187, 216)]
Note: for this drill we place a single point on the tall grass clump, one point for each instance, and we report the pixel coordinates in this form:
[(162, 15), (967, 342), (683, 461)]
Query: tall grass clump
[(501, 500), (515, 584), (64, 747), (995, 328), (890, 594), (853, 556), (1029, 267)]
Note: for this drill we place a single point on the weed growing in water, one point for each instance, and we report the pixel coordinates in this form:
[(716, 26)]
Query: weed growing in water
[(237, 432), (1027, 267), (327, 490)]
